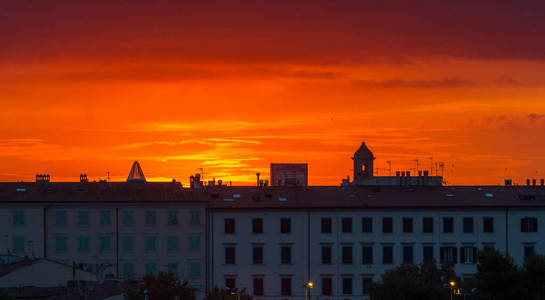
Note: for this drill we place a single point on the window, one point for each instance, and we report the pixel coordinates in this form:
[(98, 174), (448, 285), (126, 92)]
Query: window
[(367, 225), (387, 225), (172, 267), (105, 218), (347, 225), (258, 287), (194, 269), (18, 218), (488, 225), (285, 225), (127, 218), (257, 255), (127, 243), (285, 254), (427, 225), (229, 255), (150, 243), (347, 254), (18, 244), (151, 268), (407, 225), (83, 218), (468, 255), (326, 286), (230, 283), (151, 218), (195, 243), (286, 286), (528, 250), (105, 242), (407, 254), (428, 253), (172, 243), (172, 218), (257, 225), (448, 225), (229, 225), (60, 217), (60, 244), (194, 218), (448, 255), (367, 255), (468, 225), (387, 255), (326, 254), (128, 270), (366, 285), (326, 225), (347, 285), (83, 244), (528, 225)]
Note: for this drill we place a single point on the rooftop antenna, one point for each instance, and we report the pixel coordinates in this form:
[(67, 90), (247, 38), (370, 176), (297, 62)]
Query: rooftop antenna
[(108, 173), (431, 165), (442, 167), (202, 172), (416, 160), (389, 162)]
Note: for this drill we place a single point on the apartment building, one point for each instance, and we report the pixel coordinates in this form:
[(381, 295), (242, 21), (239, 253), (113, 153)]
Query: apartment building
[(272, 241), (125, 229)]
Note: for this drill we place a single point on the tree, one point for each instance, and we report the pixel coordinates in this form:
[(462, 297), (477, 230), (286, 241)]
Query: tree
[(412, 282), (224, 294), (497, 276), (164, 286), (4, 296), (534, 277)]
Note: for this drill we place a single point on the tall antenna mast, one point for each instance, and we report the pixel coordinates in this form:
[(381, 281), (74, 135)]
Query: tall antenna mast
[(431, 165), (416, 160), (389, 162)]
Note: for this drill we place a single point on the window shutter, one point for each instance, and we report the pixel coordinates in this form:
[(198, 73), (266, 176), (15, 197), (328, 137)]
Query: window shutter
[(442, 258), (474, 254), (462, 254), (454, 254), (522, 229)]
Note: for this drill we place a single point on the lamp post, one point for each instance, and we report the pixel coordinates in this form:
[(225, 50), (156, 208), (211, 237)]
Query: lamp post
[(452, 284), (308, 285)]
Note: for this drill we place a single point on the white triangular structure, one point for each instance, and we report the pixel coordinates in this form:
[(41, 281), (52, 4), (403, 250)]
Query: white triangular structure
[(136, 173)]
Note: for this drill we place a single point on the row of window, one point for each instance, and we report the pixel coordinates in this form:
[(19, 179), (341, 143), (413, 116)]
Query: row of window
[(105, 218), (448, 254), (105, 243), (286, 285), (387, 225)]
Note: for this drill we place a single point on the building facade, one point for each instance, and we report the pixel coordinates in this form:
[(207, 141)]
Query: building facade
[(123, 230), (273, 241)]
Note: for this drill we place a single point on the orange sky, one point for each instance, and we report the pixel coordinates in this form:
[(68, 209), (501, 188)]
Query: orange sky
[(233, 86)]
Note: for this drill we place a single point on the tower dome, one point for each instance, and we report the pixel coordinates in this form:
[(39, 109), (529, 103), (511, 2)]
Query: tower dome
[(363, 163)]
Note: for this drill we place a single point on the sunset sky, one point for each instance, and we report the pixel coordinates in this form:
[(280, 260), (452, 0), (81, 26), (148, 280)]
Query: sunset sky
[(231, 86)]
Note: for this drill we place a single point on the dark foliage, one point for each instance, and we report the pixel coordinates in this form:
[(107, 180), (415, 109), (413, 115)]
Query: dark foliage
[(164, 286)]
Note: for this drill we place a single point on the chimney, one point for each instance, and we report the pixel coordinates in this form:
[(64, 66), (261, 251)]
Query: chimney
[(533, 182), (408, 173), (83, 178), (426, 172), (257, 175), (419, 172), (397, 173), (542, 182), (528, 182), (508, 182)]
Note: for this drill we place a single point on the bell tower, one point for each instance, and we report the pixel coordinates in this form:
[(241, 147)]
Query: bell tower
[(363, 163)]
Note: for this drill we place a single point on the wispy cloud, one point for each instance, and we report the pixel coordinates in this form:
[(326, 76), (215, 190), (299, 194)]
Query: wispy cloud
[(403, 83)]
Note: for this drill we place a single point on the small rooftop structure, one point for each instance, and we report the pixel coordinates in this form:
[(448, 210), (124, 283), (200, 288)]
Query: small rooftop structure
[(136, 173), (364, 173), (288, 174)]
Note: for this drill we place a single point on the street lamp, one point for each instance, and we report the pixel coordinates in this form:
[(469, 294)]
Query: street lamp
[(308, 285), (452, 284)]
